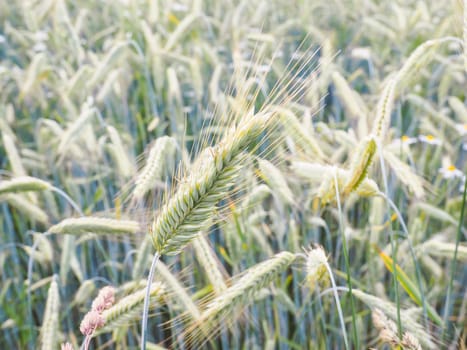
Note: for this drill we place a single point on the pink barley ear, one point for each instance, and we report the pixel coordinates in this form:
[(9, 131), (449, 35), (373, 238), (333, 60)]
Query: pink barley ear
[(66, 346), (104, 300), (91, 321)]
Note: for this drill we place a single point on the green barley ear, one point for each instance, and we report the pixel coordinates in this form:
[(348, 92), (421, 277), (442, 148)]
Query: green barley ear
[(25, 206), (162, 149), (360, 165), (408, 322), (239, 295), (316, 268), (388, 332), (350, 98), (208, 261), (85, 225), (405, 174), (23, 184), (50, 329), (300, 133), (177, 292), (188, 211)]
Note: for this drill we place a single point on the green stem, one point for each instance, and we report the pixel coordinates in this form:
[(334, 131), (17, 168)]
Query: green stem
[(453, 266), (347, 268)]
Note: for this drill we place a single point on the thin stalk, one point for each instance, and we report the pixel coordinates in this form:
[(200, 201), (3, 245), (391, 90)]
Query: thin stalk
[(453, 266), (418, 274), (144, 321), (347, 267), (393, 248), (68, 199)]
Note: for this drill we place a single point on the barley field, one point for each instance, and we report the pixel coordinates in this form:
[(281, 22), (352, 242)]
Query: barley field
[(225, 174)]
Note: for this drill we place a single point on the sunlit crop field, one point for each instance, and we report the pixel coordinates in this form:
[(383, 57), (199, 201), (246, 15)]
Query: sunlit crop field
[(233, 174)]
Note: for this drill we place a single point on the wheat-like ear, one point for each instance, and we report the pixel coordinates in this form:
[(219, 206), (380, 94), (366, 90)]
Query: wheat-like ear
[(31, 211), (441, 249), (349, 97), (23, 184), (390, 310), (300, 133), (125, 166), (275, 180), (31, 184), (360, 165), (160, 151), (236, 297), (327, 189), (397, 81), (405, 174), (188, 211), (128, 309), (49, 331), (208, 261), (84, 225), (11, 151), (178, 292), (143, 256)]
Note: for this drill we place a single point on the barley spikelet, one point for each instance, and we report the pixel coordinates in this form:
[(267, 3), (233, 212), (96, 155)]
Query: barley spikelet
[(12, 154), (124, 164), (458, 107), (239, 295), (350, 97), (388, 332), (276, 181), (409, 324), (446, 250), (316, 267), (300, 133), (23, 184), (68, 250), (255, 197), (396, 82), (327, 190), (405, 174), (84, 292), (75, 129), (384, 108), (30, 210), (153, 171), (49, 331), (360, 165), (142, 258), (84, 225), (129, 308), (187, 212), (178, 292), (208, 261)]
